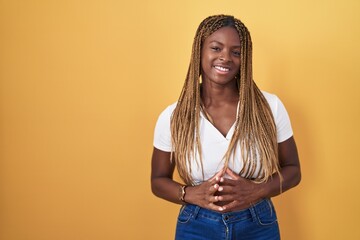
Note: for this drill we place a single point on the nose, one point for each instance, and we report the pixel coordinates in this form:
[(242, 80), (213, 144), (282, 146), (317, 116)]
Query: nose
[(225, 56)]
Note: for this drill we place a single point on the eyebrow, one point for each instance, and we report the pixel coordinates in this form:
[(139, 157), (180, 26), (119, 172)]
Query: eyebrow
[(214, 41)]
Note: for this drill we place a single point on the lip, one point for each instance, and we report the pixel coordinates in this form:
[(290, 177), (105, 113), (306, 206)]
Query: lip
[(222, 69)]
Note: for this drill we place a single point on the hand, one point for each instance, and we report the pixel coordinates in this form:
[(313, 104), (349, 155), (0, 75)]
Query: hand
[(203, 195), (240, 193)]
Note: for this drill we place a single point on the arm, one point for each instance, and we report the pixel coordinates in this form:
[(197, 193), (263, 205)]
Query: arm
[(242, 192), (290, 169), (163, 185)]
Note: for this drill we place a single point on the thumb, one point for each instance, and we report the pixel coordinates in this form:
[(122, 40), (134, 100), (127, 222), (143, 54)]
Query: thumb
[(217, 176), (232, 174)]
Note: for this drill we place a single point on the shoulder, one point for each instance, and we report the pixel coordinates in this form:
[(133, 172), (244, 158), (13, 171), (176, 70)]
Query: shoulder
[(171, 107), (165, 115), (162, 133), (281, 117), (272, 100), (167, 112), (270, 97), (277, 107)]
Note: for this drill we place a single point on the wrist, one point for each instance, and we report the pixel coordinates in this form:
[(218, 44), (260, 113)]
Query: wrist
[(188, 198), (263, 190), (182, 193)]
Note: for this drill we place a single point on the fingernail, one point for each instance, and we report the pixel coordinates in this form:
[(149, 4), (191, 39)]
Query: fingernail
[(216, 186), (217, 178), (221, 179), (220, 188), (221, 209)]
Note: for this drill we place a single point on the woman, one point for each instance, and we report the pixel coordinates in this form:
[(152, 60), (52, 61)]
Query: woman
[(232, 144)]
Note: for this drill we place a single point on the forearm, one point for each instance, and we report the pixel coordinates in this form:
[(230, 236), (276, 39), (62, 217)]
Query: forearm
[(166, 188), (291, 177), (201, 195), (290, 170)]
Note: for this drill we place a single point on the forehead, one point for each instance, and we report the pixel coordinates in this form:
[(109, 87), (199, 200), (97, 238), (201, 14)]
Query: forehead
[(224, 35)]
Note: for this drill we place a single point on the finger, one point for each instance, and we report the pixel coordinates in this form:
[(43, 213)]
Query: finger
[(226, 198), (236, 204), (225, 189), (215, 207), (213, 188), (229, 182), (232, 174), (218, 175), (231, 205), (214, 199), (218, 188)]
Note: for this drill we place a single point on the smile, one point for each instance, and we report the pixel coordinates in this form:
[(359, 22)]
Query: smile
[(222, 69)]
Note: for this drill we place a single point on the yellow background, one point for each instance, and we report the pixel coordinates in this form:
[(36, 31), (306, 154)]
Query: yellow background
[(82, 84)]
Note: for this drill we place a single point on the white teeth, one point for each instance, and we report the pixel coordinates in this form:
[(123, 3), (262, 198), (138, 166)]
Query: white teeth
[(222, 69)]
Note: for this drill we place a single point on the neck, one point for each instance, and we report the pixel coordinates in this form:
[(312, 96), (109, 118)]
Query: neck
[(216, 94)]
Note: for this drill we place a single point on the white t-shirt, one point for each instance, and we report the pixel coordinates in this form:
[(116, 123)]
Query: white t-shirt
[(214, 144)]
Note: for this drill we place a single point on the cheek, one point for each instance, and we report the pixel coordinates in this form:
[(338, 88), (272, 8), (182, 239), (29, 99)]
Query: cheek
[(238, 63), (208, 61), (205, 62)]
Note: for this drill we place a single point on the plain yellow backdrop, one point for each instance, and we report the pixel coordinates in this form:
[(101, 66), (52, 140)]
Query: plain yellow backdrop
[(82, 84)]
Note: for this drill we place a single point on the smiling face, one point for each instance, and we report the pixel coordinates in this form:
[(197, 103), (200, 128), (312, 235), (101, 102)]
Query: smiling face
[(220, 56)]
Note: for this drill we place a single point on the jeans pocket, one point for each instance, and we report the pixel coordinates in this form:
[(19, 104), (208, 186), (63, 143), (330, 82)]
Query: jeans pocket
[(267, 215), (184, 214)]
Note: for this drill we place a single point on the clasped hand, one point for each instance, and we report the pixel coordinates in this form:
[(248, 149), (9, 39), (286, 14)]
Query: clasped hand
[(226, 194)]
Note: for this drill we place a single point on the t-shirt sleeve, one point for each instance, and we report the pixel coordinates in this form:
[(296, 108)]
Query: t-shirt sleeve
[(162, 133), (282, 121)]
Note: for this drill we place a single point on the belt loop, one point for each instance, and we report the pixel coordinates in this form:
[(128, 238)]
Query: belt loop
[(196, 211), (253, 213)]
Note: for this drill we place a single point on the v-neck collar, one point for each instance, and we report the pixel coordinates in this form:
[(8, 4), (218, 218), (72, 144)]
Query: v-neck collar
[(230, 132)]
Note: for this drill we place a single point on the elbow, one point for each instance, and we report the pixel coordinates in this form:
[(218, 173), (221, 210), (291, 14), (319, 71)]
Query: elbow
[(297, 178), (154, 187)]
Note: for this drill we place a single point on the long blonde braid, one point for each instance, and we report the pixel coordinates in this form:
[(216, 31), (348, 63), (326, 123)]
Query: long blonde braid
[(255, 129)]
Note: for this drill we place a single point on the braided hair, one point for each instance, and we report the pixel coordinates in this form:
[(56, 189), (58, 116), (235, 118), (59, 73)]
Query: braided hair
[(255, 130)]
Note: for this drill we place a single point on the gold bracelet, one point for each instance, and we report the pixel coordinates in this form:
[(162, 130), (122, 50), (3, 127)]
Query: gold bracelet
[(182, 193)]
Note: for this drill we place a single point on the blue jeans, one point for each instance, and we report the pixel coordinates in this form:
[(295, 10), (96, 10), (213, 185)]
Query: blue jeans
[(255, 223)]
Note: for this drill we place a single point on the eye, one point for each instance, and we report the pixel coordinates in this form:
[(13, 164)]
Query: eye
[(216, 49), (236, 53)]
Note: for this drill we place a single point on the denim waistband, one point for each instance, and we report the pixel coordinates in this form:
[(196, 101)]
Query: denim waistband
[(241, 215)]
